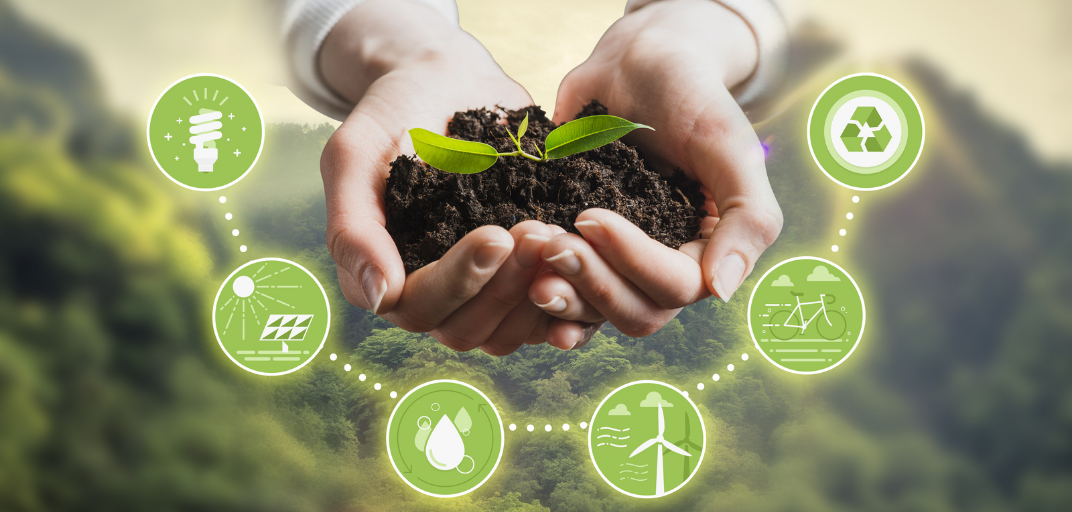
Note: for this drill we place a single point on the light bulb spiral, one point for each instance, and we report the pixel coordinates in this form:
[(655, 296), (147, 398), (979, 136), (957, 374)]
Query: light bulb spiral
[(205, 128)]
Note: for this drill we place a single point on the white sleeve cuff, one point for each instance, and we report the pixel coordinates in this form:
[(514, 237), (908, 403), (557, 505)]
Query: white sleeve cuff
[(768, 24), (306, 23)]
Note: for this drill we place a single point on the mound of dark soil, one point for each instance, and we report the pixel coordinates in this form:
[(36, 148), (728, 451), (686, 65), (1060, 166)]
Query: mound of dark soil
[(429, 210)]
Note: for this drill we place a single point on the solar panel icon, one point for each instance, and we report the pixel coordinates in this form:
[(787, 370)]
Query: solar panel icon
[(286, 327), (271, 316)]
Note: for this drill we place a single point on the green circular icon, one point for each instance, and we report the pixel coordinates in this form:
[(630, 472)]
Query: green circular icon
[(866, 131), (205, 132), (806, 315), (445, 438), (647, 439), (271, 316)]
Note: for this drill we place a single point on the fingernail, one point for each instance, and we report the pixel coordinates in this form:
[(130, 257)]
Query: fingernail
[(375, 286), (556, 305), (728, 276), (490, 254), (565, 262), (593, 231), (528, 250)]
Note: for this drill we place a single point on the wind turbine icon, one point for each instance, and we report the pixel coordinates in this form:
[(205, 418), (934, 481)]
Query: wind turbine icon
[(659, 442)]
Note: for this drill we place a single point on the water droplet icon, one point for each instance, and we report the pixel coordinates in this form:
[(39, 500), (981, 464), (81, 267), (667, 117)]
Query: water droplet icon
[(445, 449)]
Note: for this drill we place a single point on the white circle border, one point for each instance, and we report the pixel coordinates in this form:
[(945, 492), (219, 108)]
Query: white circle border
[(859, 335), (502, 438), (217, 333), (149, 142), (922, 123), (703, 429)]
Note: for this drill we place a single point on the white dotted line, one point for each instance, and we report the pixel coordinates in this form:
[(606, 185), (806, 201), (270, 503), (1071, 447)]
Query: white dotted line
[(729, 367), (842, 231), (547, 428), (362, 377), (234, 232)]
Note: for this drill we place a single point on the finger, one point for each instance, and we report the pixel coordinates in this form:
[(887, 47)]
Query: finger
[(727, 157), (575, 300), (617, 299), (473, 322), (353, 165), (433, 292), (668, 276), (557, 297), (515, 330), (574, 93), (539, 333), (569, 335)]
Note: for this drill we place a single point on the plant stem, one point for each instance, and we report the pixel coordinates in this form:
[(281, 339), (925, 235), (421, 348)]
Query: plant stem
[(530, 157), (517, 141), (523, 154)]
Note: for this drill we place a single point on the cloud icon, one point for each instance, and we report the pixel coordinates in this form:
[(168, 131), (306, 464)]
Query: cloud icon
[(619, 410), (653, 400), (821, 273), (783, 280)]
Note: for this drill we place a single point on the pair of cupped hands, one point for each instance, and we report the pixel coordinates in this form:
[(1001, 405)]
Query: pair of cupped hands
[(669, 65)]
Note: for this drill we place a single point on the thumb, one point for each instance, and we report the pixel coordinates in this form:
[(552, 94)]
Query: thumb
[(727, 158), (354, 166), (575, 91)]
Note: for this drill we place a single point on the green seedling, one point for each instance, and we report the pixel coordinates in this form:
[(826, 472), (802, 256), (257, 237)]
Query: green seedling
[(467, 157)]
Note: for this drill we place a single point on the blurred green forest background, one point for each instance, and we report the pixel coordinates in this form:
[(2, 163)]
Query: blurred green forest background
[(114, 395)]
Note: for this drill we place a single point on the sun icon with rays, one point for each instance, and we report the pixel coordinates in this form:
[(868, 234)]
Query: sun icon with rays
[(271, 316)]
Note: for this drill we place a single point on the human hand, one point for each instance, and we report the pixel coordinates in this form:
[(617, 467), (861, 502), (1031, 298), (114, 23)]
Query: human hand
[(670, 65), (407, 67)]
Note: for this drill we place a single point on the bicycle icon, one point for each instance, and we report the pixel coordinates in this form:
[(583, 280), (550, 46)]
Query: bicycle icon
[(830, 327)]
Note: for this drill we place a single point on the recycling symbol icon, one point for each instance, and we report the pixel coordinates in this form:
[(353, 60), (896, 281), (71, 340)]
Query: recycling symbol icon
[(866, 131)]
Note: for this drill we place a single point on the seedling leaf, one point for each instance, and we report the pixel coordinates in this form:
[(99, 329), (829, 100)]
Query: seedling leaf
[(587, 133), (524, 126), (452, 155)]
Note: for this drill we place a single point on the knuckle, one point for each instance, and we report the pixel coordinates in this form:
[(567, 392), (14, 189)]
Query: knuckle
[(768, 224), (338, 245), (462, 290), (710, 127), (504, 299), (406, 321), (677, 299), (336, 149), (640, 328), (454, 342), (599, 292), (500, 349)]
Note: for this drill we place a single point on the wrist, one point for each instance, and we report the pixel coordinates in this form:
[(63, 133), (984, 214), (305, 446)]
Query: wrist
[(713, 33), (378, 37)]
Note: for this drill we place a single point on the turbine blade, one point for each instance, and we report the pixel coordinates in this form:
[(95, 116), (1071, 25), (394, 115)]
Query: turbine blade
[(643, 446), (676, 449)]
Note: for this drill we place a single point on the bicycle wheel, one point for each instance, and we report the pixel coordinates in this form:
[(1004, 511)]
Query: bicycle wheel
[(832, 330), (779, 330)]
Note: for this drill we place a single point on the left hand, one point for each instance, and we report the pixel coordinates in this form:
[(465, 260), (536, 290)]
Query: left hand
[(671, 65)]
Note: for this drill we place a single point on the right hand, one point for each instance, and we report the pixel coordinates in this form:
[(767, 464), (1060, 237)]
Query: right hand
[(406, 67)]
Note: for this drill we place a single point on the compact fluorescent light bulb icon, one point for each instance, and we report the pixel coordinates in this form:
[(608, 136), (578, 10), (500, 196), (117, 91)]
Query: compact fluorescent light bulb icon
[(205, 128)]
